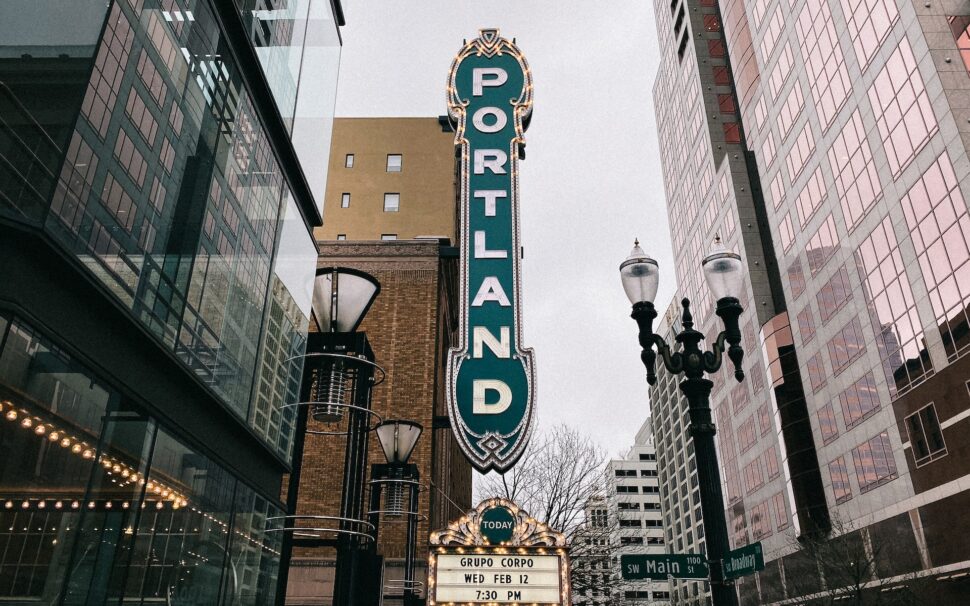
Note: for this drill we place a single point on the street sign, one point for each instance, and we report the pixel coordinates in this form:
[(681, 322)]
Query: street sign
[(491, 375), (464, 578), (637, 567), (744, 561)]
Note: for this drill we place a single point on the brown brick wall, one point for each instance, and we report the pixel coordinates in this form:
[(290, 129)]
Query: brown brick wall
[(410, 327)]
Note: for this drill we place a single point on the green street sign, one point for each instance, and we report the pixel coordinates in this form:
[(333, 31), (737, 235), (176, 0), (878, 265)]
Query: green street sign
[(491, 376), (639, 567), (744, 561)]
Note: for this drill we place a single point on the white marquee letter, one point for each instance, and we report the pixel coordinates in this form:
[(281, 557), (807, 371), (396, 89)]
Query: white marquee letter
[(479, 81), (480, 387), (491, 290), (478, 119), (481, 252), (490, 195), (492, 159), (483, 336)]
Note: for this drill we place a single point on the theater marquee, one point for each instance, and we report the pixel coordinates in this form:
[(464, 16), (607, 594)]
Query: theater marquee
[(498, 554), (491, 376)]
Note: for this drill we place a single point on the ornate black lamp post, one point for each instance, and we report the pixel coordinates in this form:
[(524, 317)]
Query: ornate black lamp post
[(398, 439), (723, 270), (339, 374)]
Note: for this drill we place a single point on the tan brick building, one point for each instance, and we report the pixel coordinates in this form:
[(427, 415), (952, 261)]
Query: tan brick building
[(410, 326), (390, 177)]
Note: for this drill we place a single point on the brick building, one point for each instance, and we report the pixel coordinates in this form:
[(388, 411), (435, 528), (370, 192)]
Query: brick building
[(410, 326)]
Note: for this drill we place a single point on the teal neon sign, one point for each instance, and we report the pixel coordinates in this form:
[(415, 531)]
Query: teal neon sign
[(491, 376)]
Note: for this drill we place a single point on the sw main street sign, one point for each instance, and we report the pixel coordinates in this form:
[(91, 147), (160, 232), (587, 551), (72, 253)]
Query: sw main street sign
[(638, 567), (491, 376), (744, 561)]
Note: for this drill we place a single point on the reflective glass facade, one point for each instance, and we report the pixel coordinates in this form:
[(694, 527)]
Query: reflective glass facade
[(166, 187), (860, 149), (100, 502), (147, 168)]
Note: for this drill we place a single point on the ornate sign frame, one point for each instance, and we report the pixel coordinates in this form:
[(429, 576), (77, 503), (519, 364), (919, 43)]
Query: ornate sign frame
[(491, 376), (529, 537)]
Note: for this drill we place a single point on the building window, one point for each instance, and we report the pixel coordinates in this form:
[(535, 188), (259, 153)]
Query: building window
[(925, 435), (822, 55), (388, 236), (822, 245), (631, 540), (393, 163), (630, 524), (833, 294), (827, 424), (625, 473), (648, 457), (874, 463), (806, 325), (781, 513), (392, 203), (859, 401), (796, 278), (627, 489), (892, 311), (869, 22), (847, 345), (936, 215), (902, 108), (341, 236), (349, 161), (840, 480), (344, 200), (816, 372)]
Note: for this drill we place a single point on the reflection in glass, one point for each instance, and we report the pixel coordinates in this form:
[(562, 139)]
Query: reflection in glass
[(936, 215), (99, 505)]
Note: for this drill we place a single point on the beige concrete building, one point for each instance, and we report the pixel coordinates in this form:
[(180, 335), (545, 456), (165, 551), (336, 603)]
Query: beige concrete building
[(386, 180)]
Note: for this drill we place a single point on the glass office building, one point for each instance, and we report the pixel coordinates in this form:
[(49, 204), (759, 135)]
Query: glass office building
[(839, 137), (156, 266)]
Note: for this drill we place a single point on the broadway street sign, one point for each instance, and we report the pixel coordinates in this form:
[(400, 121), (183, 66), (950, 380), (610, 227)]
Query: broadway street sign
[(744, 561), (660, 567), (491, 376)]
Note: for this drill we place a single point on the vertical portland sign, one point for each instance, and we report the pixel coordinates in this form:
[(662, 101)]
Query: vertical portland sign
[(491, 376)]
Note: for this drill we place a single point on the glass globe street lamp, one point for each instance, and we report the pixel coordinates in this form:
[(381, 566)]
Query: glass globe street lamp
[(723, 271), (398, 439), (339, 373)]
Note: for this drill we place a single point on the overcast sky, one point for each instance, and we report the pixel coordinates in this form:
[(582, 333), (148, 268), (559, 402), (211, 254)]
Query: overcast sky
[(590, 184)]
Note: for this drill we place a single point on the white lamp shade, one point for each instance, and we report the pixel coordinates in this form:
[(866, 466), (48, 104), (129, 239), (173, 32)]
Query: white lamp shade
[(723, 270), (341, 297), (398, 439), (640, 276)]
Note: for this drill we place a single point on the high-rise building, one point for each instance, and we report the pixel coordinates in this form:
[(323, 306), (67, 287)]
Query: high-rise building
[(156, 262), (677, 466), (847, 125), (636, 523), (410, 327)]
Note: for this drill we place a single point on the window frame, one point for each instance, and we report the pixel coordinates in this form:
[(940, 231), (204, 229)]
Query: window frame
[(397, 207), (400, 163), (931, 455)]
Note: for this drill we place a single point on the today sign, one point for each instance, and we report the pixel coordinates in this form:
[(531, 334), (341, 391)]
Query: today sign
[(491, 376)]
